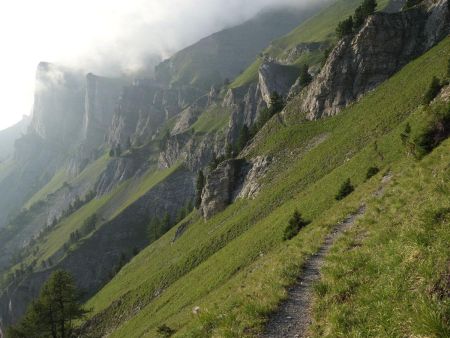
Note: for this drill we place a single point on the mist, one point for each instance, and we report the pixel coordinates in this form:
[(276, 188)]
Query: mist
[(107, 37)]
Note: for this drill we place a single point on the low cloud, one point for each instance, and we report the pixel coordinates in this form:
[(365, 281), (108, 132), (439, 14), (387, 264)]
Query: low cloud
[(105, 36)]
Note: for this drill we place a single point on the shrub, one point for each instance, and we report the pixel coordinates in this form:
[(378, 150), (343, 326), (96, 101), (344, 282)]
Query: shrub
[(412, 3), (305, 77), (435, 131), (371, 172), (244, 137), (165, 331), (296, 223), (345, 28), (345, 190), (433, 90)]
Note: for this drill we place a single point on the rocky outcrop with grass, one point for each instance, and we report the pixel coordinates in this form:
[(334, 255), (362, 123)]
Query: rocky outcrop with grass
[(385, 43)]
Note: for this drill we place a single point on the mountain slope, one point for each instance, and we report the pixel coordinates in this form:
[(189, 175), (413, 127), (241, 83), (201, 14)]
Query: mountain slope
[(119, 177), (241, 249), (10, 135), (224, 54), (307, 42)]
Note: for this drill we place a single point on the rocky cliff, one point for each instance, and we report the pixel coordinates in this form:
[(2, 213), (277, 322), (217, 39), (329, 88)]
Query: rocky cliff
[(101, 99), (385, 43), (58, 104), (232, 179)]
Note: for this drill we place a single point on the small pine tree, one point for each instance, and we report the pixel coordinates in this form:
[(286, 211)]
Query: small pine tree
[(54, 312), (345, 28), (166, 222), (372, 171), (369, 7), (165, 331), (305, 77), (296, 223), (433, 90), (276, 103), (244, 137), (411, 3), (358, 18), (345, 190)]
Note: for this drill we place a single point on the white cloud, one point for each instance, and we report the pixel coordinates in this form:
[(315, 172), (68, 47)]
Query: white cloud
[(100, 34)]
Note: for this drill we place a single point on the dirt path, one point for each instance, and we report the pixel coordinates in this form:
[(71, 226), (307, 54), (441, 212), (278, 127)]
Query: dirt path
[(294, 315)]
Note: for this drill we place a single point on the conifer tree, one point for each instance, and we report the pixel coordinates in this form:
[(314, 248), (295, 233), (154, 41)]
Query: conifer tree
[(244, 137), (296, 223), (345, 190), (54, 312)]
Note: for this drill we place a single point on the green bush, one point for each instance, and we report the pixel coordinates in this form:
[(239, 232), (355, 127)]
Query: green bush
[(436, 130), (433, 90), (345, 28), (371, 172), (165, 331), (296, 223), (345, 190), (412, 3)]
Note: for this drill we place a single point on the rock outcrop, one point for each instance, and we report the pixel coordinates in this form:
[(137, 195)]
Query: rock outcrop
[(252, 182), (232, 179), (195, 152), (189, 115), (220, 187), (102, 97), (293, 54), (274, 77), (386, 42), (246, 104)]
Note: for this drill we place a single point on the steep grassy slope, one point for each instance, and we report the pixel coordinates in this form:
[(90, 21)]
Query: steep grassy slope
[(319, 28), (224, 54), (107, 207), (389, 276), (235, 266)]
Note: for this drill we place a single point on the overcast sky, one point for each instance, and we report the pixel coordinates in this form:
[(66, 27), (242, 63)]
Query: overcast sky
[(100, 35)]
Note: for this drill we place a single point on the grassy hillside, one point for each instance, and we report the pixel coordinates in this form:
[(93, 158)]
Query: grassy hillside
[(212, 120), (398, 256), (236, 267), (319, 28), (107, 207), (226, 53)]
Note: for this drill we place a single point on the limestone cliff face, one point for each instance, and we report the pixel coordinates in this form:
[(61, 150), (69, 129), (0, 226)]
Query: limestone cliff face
[(385, 43), (101, 98), (188, 116), (274, 77), (232, 179), (58, 104), (136, 115), (195, 152), (246, 104), (220, 186), (143, 108)]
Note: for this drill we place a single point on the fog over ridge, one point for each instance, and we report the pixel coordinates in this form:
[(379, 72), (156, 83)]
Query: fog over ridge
[(105, 36)]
